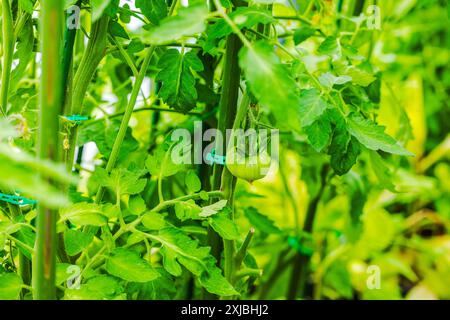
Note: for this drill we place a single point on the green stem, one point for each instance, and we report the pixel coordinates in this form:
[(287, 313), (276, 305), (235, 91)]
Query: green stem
[(50, 106), (8, 50), (240, 255), (227, 113), (126, 119), (120, 114), (291, 198), (165, 204), (125, 56), (92, 56), (300, 269), (228, 183)]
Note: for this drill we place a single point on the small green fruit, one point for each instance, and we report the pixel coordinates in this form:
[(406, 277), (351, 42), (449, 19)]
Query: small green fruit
[(249, 168)]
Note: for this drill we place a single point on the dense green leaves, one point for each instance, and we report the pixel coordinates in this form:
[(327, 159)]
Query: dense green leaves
[(350, 104), (178, 249)]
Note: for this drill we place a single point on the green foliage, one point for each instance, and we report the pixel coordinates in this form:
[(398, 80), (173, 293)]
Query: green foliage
[(363, 168)]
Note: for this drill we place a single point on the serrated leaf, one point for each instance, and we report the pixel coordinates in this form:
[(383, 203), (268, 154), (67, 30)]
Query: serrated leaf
[(97, 288), (270, 83), (154, 10), (121, 181), (189, 21), (27, 5), (359, 76), (98, 7), (192, 182), (330, 46), (224, 226), (116, 30), (160, 162), (319, 133), (76, 241), (128, 265), (10, 286), (312, 106), (136, 205), (328, 80), (243, 17), (382, 171), (344, 149), (153, 221), (302, 34), (7, 227), (213, 208), (177, 248), (260, 221), (373, 136), (64, 271), (187, 210), (178, 82), (83, 213)]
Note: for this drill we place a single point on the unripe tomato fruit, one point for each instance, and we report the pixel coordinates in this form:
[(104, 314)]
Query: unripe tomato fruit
[(249, 168)]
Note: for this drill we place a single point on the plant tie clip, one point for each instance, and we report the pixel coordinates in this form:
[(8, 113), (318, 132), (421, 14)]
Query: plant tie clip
[(303, 244), (212, 158), (76, 118), (18, 200)]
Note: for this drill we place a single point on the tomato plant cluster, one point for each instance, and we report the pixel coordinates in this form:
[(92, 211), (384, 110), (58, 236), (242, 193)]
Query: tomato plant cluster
[(354, 203)]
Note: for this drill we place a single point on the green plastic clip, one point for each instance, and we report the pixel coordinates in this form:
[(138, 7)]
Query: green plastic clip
[(212, 158), (18, 200), (76, 118), (304, 244)]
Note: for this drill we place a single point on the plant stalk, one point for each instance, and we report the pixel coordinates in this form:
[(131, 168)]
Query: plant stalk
[(300, 269), (93, 55), (227, 113), (8, 50), (50, 107)]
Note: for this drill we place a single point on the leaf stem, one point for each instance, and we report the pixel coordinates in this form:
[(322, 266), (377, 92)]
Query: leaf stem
[(126, 119)]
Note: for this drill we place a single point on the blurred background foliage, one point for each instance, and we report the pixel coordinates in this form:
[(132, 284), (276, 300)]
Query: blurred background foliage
[(403, 219)]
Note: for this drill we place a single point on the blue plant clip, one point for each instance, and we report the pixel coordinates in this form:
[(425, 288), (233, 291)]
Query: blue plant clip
[(18, 200), (76, 118), (212, 158)]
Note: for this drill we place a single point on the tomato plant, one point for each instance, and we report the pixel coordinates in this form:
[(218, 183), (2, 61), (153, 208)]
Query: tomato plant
[(123, 176)]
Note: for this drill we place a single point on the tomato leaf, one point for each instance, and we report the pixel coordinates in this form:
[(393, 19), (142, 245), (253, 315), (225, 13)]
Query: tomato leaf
[(373, 136), (178, 82), (128, 265)]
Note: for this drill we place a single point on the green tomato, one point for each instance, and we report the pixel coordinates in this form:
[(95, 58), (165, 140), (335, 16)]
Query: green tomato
[(249, 168)]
